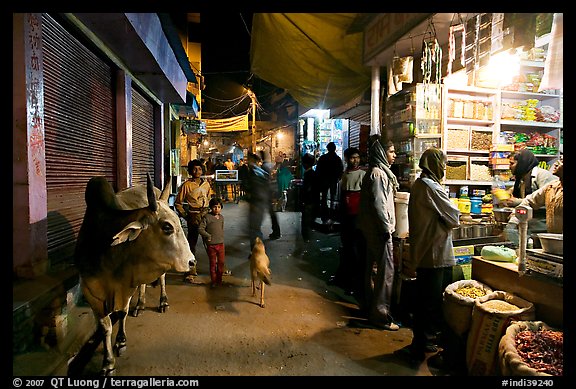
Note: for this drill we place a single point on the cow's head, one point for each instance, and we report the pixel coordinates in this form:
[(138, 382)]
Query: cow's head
[(156, 236)]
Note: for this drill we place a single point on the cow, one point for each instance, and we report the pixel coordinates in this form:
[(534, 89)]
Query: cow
[(118, 250), (133, 198)]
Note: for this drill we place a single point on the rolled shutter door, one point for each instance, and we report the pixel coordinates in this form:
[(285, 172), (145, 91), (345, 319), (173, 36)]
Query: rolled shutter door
[(142, 138), (80, 134), (354, 134)]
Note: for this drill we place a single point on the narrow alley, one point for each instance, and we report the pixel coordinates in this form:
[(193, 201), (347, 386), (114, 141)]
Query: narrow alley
[(304, 330)]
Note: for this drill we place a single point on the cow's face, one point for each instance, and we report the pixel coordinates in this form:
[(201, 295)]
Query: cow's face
[(156, 241)]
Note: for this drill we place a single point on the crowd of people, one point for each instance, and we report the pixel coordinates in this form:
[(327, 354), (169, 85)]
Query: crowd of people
[(362, 200)]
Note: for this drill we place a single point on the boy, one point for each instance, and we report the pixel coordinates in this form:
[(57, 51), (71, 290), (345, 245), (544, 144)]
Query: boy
[(212, 231)]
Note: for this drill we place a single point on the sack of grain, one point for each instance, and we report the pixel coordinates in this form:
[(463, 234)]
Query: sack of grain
[(491, 315), (458, 301), (531, 348)]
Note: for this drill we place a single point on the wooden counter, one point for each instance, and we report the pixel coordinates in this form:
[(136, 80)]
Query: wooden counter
[(546, 294)]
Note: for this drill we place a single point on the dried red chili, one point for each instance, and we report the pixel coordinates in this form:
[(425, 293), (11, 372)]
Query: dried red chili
[(542, 350)]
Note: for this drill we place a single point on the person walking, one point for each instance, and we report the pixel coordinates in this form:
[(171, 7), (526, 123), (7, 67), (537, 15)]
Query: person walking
[(192, 203), (242, 177), (212, 231), (308, 196), (258, 196), (221, 188), (283, 179), (431, 218), (268, 166), (329, 169), (377, 221), (350, 272)]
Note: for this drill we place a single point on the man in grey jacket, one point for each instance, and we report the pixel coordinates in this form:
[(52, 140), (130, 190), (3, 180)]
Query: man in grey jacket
[(377, 221), (431, 218)]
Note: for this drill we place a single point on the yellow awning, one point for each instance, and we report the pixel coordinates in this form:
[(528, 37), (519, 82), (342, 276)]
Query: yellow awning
[(311, 55), (236, 123)]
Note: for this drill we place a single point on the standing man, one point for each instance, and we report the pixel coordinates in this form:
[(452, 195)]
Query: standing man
[(329, 169), (377, 221), (350, 273), (192, 203), (431, 218)]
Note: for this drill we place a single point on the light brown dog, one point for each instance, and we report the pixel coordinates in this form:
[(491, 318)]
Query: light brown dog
[(259, 268)]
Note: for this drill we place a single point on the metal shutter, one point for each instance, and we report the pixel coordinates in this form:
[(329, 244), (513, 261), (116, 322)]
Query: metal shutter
[(354, 134), (79, 120), (142, 138)]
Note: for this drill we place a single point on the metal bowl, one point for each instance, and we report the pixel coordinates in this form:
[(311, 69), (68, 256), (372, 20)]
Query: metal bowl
[(502, 215), (552, 243)]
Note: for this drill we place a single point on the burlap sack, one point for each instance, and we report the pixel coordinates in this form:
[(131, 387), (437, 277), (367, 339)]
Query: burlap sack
[(458, 308), (487, 328), (511, 363)]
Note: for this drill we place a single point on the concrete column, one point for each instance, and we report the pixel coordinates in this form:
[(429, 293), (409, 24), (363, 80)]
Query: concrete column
[(30, 198), (124, 129), (375, 101)]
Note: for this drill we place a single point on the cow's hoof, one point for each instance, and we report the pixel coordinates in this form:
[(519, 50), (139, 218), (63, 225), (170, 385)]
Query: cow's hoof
[(108, 371), (136, 312), (262, 305), (120, 349)]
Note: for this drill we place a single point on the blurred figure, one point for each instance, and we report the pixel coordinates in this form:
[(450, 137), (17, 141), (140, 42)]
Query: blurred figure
[(242, 176), (258, 195), (229, 164), (308, 196), (221, 188), (431, 218), (329, 170), (377, 221), (283, 179), (268, 166)]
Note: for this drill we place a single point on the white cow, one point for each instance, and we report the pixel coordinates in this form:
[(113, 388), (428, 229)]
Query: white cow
[(118, 250)]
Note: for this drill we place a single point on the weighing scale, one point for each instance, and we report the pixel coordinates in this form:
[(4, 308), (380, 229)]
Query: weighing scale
[(523, 213)]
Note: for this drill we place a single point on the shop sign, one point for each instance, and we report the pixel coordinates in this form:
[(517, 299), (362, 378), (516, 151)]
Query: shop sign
[(194, 126)]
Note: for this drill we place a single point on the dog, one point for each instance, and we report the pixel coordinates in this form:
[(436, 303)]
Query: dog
[(260, 268)]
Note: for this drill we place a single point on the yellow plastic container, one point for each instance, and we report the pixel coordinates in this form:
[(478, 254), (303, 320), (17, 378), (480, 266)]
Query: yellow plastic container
[(501, 194), (464, 205)]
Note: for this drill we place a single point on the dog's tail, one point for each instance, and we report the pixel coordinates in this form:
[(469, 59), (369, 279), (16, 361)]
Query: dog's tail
[(266, 276)]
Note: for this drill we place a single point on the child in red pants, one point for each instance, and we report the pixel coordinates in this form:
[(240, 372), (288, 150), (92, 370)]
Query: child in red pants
[(212, 231)]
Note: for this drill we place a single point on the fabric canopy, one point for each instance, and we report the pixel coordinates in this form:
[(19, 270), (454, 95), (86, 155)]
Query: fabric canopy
[(311, 55), (236, 123)]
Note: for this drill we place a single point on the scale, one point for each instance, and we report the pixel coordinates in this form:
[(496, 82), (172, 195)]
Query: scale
[(523, 213), (551, 265)]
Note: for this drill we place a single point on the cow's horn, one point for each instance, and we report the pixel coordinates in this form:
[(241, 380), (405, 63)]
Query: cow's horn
[(150, 192), (166, 192)]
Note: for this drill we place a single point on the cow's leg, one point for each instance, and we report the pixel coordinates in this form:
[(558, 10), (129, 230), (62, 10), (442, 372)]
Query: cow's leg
[(108, 365), (141, 304), (163, 296), (120, 344), (262, 294), (253, 287)]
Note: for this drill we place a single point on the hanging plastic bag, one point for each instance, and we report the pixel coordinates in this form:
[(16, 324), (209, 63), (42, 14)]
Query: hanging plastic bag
[(402, 68)]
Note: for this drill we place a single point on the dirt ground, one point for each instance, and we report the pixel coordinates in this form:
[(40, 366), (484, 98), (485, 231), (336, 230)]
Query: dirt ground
[(304, 329)]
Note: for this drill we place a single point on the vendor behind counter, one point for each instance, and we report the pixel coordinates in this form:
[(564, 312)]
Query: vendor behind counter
[(548, 200)]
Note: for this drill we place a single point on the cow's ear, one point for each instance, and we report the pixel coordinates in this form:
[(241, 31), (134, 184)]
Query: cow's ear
[(128, 233)]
